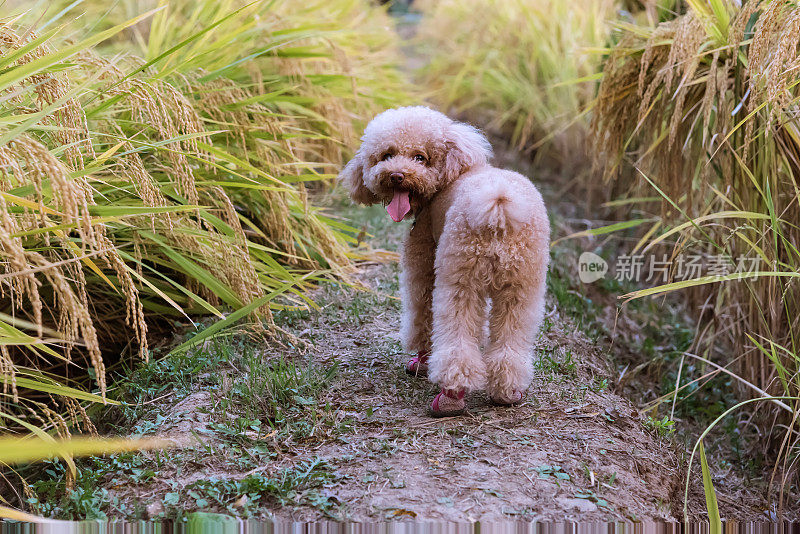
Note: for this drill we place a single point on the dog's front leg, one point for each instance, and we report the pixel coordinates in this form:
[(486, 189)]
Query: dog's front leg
[(416, 288)]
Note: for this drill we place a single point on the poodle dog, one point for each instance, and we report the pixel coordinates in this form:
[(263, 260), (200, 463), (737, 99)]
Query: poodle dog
[(478, 248)]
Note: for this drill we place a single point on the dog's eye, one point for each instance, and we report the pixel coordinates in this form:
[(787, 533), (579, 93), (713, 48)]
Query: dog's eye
[(420, 158), (386, 156)]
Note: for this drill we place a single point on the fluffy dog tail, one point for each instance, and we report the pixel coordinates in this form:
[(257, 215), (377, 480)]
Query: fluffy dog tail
[(494, 206)]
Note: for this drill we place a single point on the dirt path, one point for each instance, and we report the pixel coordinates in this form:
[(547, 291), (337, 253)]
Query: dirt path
[(573, 450), (359, 446)]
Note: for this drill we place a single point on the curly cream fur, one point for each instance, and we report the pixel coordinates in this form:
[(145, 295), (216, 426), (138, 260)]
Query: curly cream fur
[(481, 234)]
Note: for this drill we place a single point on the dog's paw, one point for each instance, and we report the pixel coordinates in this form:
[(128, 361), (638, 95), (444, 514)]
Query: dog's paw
[(448, 403), (507, 399), (418, 365)]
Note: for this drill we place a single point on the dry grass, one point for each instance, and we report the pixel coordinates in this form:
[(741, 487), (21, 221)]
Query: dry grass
[(526, 67)]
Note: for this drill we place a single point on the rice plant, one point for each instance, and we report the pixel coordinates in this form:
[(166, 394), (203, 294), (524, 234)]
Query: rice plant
[(704, 108), (525, 67), (153, 168)]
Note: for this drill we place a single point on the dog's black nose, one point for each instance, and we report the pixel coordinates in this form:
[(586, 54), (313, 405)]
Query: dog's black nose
[(396, 178)]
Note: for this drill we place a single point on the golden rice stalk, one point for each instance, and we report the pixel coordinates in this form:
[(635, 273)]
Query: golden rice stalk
[(50, 88), (706, 109), (113, 149)]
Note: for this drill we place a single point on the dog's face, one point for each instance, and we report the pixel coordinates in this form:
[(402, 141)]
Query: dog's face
[(407, 155)]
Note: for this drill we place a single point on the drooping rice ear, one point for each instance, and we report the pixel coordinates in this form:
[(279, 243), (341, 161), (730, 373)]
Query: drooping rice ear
[(352, 176), (467, 147)]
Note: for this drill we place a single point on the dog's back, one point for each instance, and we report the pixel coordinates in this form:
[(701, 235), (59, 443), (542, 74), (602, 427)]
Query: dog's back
[(489, 201), (499, 200)]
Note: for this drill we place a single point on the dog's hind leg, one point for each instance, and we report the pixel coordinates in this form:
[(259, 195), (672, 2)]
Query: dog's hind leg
[(459, 307), (514, 320)]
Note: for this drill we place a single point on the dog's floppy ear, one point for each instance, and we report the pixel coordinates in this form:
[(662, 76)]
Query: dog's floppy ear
[(352, 176), (466, 147)]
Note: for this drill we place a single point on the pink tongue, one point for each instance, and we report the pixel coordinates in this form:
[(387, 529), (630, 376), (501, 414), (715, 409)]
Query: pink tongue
[(399, 206)]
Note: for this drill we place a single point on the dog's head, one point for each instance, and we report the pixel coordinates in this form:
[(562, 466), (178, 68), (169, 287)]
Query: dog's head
[(408, 154)]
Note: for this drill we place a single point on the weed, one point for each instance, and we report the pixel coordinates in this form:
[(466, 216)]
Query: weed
[(271, 387), (90, 499), (662, 427), (175, 375), (599, 385), (289, 316), (572, 300), (565, 367), (87, 500), (552, 472), (296, 486), (592, 496)]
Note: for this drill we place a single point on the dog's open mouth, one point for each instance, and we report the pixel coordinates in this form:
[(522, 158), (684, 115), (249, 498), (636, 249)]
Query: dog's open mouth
[(400, 205)]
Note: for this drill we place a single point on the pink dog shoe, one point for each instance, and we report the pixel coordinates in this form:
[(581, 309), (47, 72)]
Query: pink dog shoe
[(508, 400), (447, 403), (418, 365)]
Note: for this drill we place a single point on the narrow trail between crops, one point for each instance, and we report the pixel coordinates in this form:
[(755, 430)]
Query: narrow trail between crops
[(567, 453), (573, 450)]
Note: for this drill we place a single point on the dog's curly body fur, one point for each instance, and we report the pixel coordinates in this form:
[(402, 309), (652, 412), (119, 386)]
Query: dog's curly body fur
[(481, 235)]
